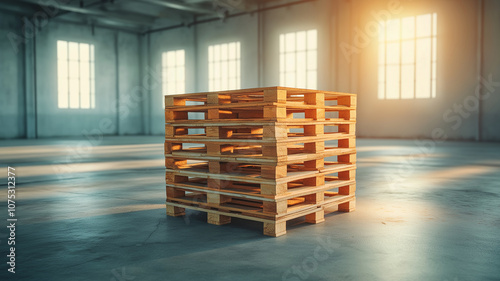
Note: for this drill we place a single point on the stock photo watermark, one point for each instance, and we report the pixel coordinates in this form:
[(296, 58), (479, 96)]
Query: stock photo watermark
[(304, 269), (223, 7), (229, 168), (454, 116), (363, 37), (463, 110), (32, 25), (12, 220), (120, 274), (123, 108)]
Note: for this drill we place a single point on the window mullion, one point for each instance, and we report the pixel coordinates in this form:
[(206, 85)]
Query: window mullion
[(385, 61), (67, 74), (432, 49), (79, 76), (90, 81), (415, 61), (400, 59)]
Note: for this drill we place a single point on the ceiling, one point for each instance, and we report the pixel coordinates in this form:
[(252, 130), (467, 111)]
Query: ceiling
[(129, 15)]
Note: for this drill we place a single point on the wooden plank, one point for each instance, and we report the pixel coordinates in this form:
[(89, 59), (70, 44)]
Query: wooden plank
[(268, 141), (257, 105), (258, 159), (259, 91), (259, 122), (302, 191)]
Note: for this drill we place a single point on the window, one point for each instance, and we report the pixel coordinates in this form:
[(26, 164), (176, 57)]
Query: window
[(75, 75), (407, 58), (173, 72), (299, 59), (224, 67)]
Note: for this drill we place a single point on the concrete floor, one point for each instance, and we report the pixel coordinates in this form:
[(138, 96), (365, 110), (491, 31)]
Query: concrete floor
[(424, 212)]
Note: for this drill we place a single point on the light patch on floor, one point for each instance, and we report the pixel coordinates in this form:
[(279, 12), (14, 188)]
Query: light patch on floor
[(395, 211), (83, 150), (61, 169), (92, 212), (398, 158)]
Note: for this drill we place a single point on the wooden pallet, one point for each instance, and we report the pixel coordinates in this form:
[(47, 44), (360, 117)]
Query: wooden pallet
[(274, 225), (259, 154)]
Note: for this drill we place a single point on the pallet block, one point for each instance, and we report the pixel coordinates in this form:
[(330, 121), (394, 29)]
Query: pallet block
[(260, 154)]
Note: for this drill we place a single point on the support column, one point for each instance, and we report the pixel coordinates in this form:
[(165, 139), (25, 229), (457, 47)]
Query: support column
[(30, 88)]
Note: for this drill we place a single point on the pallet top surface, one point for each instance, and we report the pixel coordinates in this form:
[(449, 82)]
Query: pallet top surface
[(295, 91)]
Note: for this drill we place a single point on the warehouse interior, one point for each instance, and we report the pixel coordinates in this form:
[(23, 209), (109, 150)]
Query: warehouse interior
[(82, 85)]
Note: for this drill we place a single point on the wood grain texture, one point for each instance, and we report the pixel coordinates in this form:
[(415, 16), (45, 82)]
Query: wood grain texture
[(260, 154)]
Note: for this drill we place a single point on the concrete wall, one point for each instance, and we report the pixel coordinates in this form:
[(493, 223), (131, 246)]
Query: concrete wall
[(242, 29), (12, 96), (29, 83), (195, 41), (410, 118), (128, 69), (455, 109), (170, 40), (116, 75), (130, 88), (315, 15), (490, 128)]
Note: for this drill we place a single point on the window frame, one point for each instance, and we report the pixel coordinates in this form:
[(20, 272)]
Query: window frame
[(383, 42), (165, 66), (67, 75), (309, 62), (220, 61)]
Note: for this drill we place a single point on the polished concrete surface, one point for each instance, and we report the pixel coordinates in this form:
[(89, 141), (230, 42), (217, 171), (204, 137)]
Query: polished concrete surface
[(94, 210)]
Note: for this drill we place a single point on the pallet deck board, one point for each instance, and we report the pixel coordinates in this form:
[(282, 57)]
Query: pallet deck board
[(257, 122), (260, 140)]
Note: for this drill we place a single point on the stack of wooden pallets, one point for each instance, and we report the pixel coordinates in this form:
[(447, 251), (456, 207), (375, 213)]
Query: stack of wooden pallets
[(260, 154)]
